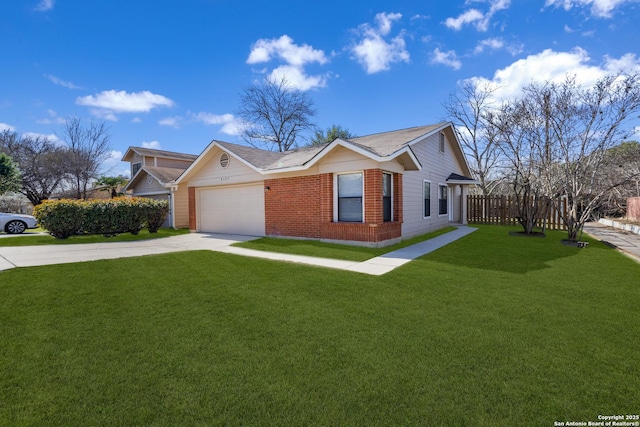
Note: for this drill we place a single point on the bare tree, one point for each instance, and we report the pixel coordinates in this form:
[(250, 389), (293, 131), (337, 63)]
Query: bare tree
[(621, 160), (514, 123), (583, 125), (275, 114), (468, 108), (41, 164), (87, 148), (566, 132)]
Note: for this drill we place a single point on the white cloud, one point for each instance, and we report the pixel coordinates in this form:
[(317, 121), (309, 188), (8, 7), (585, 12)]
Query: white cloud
[(373, 51), (151, 144), (110, 102), (173, 122), (599, 8), (60, 82), (294, 56), (51, 137), (552, 66), (112, 166), (104, 114), (449, 58), (52, 118), (493, 44), (136, 120), (468, 17), (44, 5), (283, 48), (476, 17), (4, 126), (230, 125), (296, 77)]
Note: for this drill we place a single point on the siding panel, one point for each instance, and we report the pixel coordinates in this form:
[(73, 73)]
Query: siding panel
[(436, 167)]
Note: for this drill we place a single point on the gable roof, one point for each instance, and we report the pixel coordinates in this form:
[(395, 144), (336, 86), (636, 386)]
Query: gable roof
[(151, 152), (163, 175), (380, 147), (387, 143)]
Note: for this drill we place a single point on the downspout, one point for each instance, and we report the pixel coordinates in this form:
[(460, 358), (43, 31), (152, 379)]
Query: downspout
[(462, 215), (172, 206)]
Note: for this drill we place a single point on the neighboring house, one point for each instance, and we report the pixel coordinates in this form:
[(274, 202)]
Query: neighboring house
[(373, 190), (153, 173)]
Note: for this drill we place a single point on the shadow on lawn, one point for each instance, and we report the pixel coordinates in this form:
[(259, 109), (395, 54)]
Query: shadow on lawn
[(497, 248)]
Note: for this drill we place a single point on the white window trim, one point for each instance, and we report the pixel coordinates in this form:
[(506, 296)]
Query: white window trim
[(132, 167), (335, 196), (430, 199), (448, 199), (392, 195)]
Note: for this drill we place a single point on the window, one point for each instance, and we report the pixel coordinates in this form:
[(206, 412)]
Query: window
[(350, 188), (442, 200), (387, 203), (442, 142), (427, 199), (224, 160), (135, 167)]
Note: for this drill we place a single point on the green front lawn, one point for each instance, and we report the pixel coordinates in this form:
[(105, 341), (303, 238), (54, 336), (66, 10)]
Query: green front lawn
[(331, 250), (45, 239), (491, 330)]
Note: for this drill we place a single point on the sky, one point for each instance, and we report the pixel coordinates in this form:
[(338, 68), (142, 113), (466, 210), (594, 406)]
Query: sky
[(169, 74)]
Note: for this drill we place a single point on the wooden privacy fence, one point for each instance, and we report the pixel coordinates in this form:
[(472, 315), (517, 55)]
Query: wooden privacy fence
[(503, 210)]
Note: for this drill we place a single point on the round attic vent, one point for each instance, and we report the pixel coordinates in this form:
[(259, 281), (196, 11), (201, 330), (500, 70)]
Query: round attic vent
[(224, 160)]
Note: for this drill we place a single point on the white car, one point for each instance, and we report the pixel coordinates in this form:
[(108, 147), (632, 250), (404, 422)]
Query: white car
[(16, 223)]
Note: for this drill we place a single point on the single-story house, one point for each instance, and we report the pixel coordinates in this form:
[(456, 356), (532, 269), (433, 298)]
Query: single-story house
[(373, 190)]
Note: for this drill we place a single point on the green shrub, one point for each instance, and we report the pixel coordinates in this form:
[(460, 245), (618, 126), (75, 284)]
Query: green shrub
[(114, 216), (64, 218), (155, 212), (61, 218)]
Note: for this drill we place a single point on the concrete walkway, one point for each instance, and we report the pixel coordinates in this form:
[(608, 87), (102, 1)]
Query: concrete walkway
[(626, 242), (29, 256)]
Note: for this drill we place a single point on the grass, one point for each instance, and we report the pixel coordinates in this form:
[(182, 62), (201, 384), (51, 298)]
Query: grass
[(331, 250), (491, 330), (27, 240)]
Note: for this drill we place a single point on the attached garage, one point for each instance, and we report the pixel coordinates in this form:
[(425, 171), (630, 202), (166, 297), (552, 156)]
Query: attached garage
[(235, 209)]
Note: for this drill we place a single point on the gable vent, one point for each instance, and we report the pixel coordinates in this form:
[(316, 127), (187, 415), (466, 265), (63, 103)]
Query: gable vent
[(224, 160)]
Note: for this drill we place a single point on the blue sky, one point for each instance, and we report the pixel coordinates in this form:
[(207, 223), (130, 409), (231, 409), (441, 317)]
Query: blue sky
[(168, 74)]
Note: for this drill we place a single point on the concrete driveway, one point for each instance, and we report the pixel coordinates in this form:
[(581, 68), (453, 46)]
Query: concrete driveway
[(29, 256)]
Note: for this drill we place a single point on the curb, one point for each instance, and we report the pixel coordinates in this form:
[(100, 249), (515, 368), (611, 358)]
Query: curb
[(632, 228)]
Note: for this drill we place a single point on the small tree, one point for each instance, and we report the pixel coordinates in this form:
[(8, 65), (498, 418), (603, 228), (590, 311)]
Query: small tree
[(275, 114), (40, 161), (513, 123), (112, 184), (581, 126), (332, 133), (557, 136), (9, 175)]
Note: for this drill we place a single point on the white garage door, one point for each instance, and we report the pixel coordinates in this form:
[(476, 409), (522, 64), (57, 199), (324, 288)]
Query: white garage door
[(232, 210)]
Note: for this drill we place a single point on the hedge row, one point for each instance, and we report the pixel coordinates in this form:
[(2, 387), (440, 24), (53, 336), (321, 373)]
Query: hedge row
[(64, 218)]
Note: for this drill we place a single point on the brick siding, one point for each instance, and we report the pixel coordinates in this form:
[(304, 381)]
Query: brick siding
[(303, 207), (292, 206), (192, 209)]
